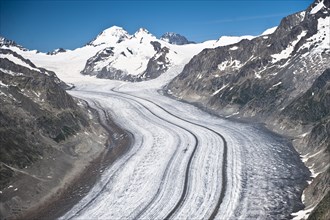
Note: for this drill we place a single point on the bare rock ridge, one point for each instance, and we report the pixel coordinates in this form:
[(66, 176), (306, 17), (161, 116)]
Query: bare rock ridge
[(7, 42), (281, 79), (43, 134)]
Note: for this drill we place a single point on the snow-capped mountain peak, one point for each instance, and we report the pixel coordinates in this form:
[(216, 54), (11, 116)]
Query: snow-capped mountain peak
[(111, 35), (143, 33), (142, 30)]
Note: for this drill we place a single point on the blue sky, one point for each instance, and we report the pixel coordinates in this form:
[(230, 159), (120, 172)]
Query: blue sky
[(47, 25)]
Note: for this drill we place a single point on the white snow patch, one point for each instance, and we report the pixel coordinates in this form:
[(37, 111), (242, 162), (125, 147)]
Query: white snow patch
[(222, 66), (233, 48), (277, 84), (269, 31), (257, 75), (317, 8), (302, 214), (227, 40), (236, 113), (3, 85), (305, 158), (38, 94), (9, 72), (17, 61), (321, 38), (287, 52), (304, 134), (216, 92), (233, 64)]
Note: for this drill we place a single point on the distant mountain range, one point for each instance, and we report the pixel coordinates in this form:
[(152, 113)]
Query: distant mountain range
[(108, 54)]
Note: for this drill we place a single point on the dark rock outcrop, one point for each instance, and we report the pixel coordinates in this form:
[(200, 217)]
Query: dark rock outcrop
[(157, 65)]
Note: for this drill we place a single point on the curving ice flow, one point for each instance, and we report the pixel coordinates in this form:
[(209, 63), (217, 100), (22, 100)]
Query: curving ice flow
[(185, 163)]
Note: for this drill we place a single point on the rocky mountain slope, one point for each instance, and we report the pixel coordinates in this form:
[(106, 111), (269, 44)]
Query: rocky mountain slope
[(281, 79), (46, 137)]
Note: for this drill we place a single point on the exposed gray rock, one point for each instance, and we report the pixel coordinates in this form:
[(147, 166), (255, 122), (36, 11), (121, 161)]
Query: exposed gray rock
[(92, 62), (157, 65), (157, 46)]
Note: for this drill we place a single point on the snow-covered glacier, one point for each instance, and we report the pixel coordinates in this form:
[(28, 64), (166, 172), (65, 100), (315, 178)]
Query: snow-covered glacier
[(185, 163)]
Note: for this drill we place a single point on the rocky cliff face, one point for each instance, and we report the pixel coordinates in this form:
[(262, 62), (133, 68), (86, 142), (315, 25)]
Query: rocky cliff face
[(42, 133), (281, 79)]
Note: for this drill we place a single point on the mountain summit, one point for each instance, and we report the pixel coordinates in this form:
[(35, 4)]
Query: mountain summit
[(111, 35), (174, 38)]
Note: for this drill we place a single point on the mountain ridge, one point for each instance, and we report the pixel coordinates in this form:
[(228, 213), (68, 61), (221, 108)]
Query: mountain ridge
[(281, 79), (39, 124)]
